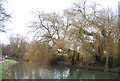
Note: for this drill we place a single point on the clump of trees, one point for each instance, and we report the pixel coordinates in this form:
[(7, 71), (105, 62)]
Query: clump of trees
[(86, 30), (84, 35), (16, 48)]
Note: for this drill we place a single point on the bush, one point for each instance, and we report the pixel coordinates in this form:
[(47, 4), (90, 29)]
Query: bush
[(114, 61)]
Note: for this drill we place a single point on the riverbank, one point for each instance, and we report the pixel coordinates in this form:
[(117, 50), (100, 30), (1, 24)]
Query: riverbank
[(94, 68), (4, 65)]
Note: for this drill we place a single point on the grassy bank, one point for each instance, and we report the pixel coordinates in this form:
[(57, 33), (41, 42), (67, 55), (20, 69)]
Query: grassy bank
[(4, 65)]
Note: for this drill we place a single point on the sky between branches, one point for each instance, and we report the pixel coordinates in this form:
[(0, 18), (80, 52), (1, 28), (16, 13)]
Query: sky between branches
[(20, 11)]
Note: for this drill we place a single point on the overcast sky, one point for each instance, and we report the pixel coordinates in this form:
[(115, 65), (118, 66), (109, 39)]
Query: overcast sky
[(21, 12)]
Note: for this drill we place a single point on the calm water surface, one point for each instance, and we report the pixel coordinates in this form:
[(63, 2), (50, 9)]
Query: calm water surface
[(26, 70)]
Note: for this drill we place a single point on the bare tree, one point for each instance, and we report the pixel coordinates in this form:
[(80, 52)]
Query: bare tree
[(3, 16), (17, 46)]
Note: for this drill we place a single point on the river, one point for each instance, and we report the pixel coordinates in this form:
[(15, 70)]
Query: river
[(26, 70)]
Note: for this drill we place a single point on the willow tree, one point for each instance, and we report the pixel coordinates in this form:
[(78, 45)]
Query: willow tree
[(52, 28), (84, 28), (103, 22), (38, 51), (55, 29)]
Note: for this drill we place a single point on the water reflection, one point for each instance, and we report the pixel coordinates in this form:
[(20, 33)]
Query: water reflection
[(27, 70)]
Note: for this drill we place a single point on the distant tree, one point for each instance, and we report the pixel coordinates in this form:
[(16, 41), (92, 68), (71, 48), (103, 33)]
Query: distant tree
[(4, 17), (17, 47)]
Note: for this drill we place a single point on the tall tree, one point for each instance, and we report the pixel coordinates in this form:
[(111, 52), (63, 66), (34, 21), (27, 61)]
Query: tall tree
[(104, 24)]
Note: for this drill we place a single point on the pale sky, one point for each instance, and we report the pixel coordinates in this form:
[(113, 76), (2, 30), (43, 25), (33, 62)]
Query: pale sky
[(21, 13)]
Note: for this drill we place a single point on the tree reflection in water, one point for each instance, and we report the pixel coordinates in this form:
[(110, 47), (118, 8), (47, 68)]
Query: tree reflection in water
[(7, 74), (27, 70)]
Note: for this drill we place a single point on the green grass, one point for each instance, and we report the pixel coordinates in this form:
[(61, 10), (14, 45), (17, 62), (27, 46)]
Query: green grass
[(6, 62)]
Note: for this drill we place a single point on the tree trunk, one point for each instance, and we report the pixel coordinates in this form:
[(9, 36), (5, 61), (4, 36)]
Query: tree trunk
[(106, 64)]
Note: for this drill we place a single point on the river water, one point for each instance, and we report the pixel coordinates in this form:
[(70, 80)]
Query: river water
[(26, 70)]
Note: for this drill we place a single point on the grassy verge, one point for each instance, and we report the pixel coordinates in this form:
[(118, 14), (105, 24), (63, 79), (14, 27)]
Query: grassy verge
[(4, 65)]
